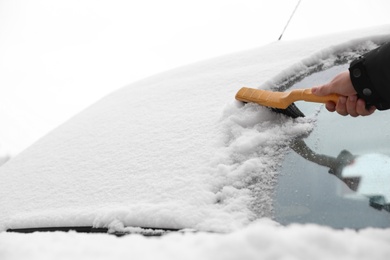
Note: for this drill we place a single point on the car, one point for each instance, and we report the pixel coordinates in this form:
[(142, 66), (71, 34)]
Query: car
[(177, 153)]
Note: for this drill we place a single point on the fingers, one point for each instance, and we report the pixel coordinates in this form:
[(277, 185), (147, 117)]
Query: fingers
[(348, 103), (341, 106), (362, 109), (351, 106), (330, 106)]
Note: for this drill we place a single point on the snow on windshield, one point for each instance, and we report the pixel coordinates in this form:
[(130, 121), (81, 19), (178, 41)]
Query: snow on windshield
[(255, 141)]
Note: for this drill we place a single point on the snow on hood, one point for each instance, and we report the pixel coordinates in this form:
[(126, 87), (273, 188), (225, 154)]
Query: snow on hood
[(174, 150)]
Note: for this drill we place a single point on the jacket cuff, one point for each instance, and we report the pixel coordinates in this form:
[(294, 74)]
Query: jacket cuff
[(363, 85)]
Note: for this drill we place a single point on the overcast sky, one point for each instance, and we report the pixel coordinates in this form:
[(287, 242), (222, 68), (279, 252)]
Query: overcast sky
[(58, 57)]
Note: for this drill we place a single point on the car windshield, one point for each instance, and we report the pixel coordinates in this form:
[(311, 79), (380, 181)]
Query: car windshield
[(339, 174)]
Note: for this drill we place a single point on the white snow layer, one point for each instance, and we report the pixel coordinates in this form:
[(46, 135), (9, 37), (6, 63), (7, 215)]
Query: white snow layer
[(260, 240), (176, 151)]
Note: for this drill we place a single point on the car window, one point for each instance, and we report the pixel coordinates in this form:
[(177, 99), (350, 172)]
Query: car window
[(338, 175)]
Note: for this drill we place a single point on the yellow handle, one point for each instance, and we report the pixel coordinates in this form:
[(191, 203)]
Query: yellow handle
[(306, 95), (281, 99)]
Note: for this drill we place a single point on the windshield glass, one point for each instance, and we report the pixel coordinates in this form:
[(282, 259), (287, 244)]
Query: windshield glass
[(338, 175)]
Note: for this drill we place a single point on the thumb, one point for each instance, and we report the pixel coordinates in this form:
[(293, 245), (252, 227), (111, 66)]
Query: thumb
[(322, 90)]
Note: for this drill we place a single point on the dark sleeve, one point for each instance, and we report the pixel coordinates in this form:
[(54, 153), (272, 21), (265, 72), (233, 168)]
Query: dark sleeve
[(370, 76)]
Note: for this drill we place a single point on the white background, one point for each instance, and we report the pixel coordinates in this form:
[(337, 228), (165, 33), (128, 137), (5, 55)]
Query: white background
[(58, 57)]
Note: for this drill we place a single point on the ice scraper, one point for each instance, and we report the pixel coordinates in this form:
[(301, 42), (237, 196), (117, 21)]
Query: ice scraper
[(282, 102)]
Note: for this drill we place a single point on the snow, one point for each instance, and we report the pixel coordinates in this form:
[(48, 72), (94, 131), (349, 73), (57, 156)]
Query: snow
[(261, 240), (254, 144), (176, 151)]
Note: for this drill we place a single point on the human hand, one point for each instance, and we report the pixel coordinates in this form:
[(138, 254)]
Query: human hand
[(348, 103)]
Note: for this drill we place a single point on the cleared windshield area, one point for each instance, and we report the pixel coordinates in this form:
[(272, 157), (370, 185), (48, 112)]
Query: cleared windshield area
[(340, 174)]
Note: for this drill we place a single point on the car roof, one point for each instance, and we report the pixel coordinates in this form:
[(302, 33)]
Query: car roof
[(171, 151)]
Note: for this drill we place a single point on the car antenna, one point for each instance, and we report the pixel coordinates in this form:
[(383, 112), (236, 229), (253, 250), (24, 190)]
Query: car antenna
[(291, 16)]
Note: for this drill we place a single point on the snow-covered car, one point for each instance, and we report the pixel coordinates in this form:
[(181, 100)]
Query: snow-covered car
[(177, 152)]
